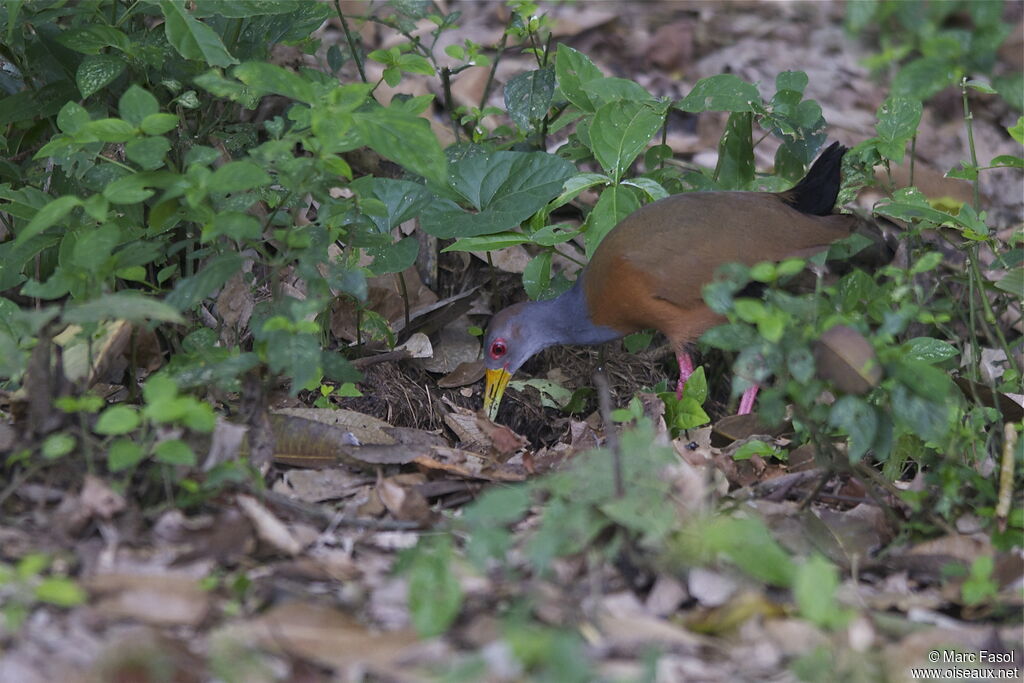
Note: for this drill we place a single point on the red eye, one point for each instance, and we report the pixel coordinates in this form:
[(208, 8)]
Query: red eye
[(498, 348)]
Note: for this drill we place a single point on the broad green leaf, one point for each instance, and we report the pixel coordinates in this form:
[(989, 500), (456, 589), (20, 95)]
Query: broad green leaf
[(928, 350), (71, 117), (402, 199), (1013, 282), (735, 169), (237, 176), (123, 454), (898, 118), (158, 124), (266, 78), (615, 203), (620, 131), (117, 420), (435, 596), (860, 422), (136, 104), (33, 105), (106, 130), (49, 215), (148, 152), (174, 452), (234, 224), (723, 92), (97, 72), (296, 356), (214, 273), (750, 546), (405, 139), (924, 77), (606, 90), (1007, 161), (505, 188), (814, 588), (1016, 131), (92, 246), (396, 257), (574, 69), (537, 275), (90, 40), (60, 591), (528, 97), (58, 445), (125, 305), (192, 38)]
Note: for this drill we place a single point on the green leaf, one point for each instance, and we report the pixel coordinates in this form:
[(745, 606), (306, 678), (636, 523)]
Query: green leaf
[(528, 97), (607, 90), (651, 188), (123, 454), (924, 77), (117, 420), (614, 204), (758, 448), (71, 117), (60, 591), (236, 176), (158, 124), (500, 240), (396, 257), (898, 118), (234, 224), (620, 131), (435, 596), (1012, 282), (136, 104), (174, 452), (735, 169), (125, 305), (106, 130), (506, 188), (537, 275), (294, 355), (577, 184), (58, 445), (574, 70), (402, 199), (751, 547), (404, 138), (723, 92), (96, 72), (192, 38), (928, 350), (148, 152), (266, 78), (1007, 161), (191, 290), (49, 215), (814, 588), (1016, 131), (860, 422)]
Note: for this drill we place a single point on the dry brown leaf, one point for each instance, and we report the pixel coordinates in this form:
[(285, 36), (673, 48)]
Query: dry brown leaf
[(464, 374), (468, 464), (269, 528), (163, 599), (315, 486), (322, 635)]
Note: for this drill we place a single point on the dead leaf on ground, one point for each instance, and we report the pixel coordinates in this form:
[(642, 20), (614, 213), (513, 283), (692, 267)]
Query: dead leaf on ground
[(163, 599), (322, 635)]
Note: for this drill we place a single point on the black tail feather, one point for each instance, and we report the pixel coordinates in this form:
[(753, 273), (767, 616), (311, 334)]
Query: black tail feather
[(816, 193)]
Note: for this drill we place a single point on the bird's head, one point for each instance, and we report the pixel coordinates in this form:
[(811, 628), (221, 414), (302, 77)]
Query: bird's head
[(512, 337)]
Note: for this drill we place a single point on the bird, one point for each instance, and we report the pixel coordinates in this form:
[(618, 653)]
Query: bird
[(649, 270)]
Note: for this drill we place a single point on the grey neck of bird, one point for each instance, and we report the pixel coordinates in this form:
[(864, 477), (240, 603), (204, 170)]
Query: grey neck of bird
[(566, 320)]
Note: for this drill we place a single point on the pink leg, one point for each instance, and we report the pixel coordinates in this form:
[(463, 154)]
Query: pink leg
[(685, 370), (747, 400)]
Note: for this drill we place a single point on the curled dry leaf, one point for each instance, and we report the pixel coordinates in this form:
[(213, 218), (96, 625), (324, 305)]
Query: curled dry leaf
[(270, 529)]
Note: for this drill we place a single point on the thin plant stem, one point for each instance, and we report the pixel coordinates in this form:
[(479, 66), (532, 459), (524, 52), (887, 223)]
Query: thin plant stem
[(351, 41)]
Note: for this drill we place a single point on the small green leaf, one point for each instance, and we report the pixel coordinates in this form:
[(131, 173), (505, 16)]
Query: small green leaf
[(237, 176), (117, 420), (174, 452), (136, 104), (148, 152), (898, 118), (158, 124), (266, 78), (60, 591), (435, 596), (574, 70), (928, 350), (814, 589), (620, 131), (123, 454), (858, 419), (124, 305), (106, 130), (58, 445)]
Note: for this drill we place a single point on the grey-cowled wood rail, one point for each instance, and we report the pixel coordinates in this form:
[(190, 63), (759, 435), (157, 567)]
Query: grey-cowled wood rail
[(649, 270)]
